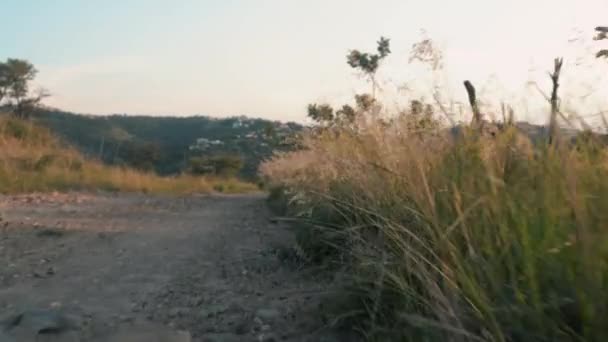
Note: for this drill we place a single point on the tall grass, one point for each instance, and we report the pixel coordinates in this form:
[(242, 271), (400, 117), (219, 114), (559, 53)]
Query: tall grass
[(467, 237), (32, 159)]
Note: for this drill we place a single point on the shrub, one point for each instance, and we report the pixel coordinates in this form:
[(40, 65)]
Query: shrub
[(223, 165)]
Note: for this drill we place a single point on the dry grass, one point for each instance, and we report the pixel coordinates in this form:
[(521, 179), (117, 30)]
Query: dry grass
[(32, 159), (459, 239)]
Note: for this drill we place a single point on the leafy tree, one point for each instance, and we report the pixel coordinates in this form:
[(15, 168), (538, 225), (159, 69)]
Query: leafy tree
[(15, 78), (365, 102), (323, 113), (346, 114), (141, 155), (4, 81), (368, 63), (200, 166), (224, 165), (227, 166), (270, 132)]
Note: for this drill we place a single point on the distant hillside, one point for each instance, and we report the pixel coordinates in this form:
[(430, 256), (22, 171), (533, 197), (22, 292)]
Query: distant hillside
[(165, 144), (33, 159)]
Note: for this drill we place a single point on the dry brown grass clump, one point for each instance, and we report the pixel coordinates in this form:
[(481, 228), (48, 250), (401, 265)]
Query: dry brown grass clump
[(458, 238)]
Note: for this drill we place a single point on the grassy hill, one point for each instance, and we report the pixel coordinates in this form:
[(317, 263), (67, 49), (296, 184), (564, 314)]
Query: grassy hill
[(33, 159), (165, 144)]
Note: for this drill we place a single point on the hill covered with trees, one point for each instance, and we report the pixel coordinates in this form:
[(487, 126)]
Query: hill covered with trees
[(172, 145)]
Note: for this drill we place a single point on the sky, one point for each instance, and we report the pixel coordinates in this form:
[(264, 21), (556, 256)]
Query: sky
[(270, 58)]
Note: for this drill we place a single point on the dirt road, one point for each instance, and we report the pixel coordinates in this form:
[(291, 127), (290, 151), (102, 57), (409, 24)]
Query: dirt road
[(82, 267)]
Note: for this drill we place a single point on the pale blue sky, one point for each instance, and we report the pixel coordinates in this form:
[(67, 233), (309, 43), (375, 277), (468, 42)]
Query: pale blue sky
[(269, 58)]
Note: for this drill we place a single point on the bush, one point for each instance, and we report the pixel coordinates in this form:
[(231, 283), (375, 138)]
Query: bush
[(224, 166)]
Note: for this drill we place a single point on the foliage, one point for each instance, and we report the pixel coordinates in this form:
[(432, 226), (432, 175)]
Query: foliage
[(15, 78), (32, 159), (223, 165), (325, 115), (347, 116), (140, 155), (118, 139), (322, 113), (368, 63)]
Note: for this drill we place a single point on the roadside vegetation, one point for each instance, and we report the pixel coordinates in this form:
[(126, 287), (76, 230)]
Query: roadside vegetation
[(32, 159), (468, 232)]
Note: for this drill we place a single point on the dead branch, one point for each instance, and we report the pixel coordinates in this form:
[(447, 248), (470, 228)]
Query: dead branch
[(473, 102), (558, 63), (25, 106)]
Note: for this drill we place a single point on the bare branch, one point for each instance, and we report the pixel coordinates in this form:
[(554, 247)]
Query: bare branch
[(558, 63), (27, 105), (473, 102)]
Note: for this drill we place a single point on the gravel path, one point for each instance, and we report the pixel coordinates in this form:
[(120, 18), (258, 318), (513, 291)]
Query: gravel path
[(77, 267)]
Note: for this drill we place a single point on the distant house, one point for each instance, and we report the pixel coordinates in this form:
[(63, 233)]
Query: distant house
[(202, 144)]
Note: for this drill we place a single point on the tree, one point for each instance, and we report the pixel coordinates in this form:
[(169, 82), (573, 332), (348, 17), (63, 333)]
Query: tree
[(365, 102), (323, 113), (4, 81), (15, 78), (222, 165), (270, 131), (346, 115), (141, 155), (369, 63)]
